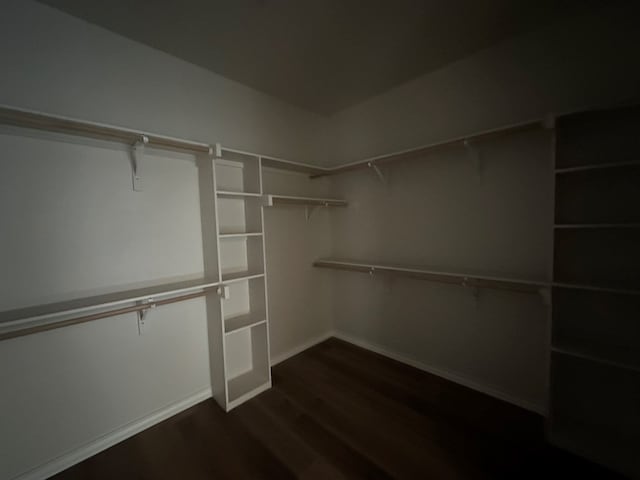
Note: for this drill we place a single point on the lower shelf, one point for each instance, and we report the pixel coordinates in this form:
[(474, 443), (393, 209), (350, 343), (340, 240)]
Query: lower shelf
[(249, 320), (247, 385), (247, 366)]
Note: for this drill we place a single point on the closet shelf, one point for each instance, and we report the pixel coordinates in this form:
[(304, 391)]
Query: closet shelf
[(596, 288), (234, 324), (598, 166), (240, 235), (246, 386), (463, 279), (280, 164), (596, 225), (230, 194), (274, 200), (594, 358)]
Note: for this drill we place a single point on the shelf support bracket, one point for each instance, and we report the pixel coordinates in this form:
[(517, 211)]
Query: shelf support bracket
[(474, 155), (143, 324), (137, 152), (308, 211), (218, 150), (372, 165)]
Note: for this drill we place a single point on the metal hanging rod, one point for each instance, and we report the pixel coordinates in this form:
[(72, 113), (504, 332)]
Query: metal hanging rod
[(466, 280), (53, 123), (21, 331), (413, 153)]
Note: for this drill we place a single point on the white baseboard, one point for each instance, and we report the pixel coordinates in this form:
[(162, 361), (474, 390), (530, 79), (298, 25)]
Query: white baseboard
[(102, 443), (301, 348), (454, 377)]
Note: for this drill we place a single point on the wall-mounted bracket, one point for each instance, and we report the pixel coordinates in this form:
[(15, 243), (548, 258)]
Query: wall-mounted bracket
[(224, 292), (218, 150), (475, 291), (545, 294), (308, 211), (143, 324), (137, 152), (372, 165), (474, 155)]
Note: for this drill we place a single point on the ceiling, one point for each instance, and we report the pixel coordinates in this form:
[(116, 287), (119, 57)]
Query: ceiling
[(321, 55)]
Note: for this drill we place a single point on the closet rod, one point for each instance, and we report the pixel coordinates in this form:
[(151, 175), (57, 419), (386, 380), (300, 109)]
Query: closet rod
[(417, 152), (21, 332), (499, 283), (41, 121)]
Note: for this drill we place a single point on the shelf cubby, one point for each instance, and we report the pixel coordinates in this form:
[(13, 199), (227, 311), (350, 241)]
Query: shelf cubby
[(246, 297), (247, 365), (599, 196), (238, 215), (596, 411), (589, 324), (606, 257), (598, 138), (238, 173), (242, 256)]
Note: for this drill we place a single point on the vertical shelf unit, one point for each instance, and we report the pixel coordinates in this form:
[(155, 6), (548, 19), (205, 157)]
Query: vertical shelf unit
[(595, 352), (244, 329)]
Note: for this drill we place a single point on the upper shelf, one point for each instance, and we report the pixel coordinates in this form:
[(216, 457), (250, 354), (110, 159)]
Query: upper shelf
[(273, 200), (54, 123), (230, 194)]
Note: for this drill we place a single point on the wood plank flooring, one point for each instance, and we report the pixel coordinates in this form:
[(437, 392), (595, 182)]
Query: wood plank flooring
[(337, 411)]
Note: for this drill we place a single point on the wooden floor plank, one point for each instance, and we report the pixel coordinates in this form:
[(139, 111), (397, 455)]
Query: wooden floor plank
[(338, 411)]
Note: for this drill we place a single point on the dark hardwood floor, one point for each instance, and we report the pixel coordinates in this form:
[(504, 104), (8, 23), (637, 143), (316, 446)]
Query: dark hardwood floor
[(337, 411)]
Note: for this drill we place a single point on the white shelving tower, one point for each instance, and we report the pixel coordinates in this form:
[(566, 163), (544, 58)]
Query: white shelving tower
[(242, 357)]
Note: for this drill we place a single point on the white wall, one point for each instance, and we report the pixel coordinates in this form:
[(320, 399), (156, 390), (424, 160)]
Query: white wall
[(59, 64), (440, 212)]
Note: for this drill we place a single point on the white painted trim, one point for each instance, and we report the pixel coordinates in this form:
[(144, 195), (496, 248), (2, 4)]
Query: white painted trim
[(300, 348), (448, 375), (96, 446)]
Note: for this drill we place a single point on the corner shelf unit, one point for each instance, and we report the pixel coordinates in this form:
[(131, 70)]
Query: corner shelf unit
[(242, 358), (595, 346)]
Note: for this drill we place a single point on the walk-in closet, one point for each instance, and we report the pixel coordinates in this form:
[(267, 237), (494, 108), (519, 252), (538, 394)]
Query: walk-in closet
[(321, 239)]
